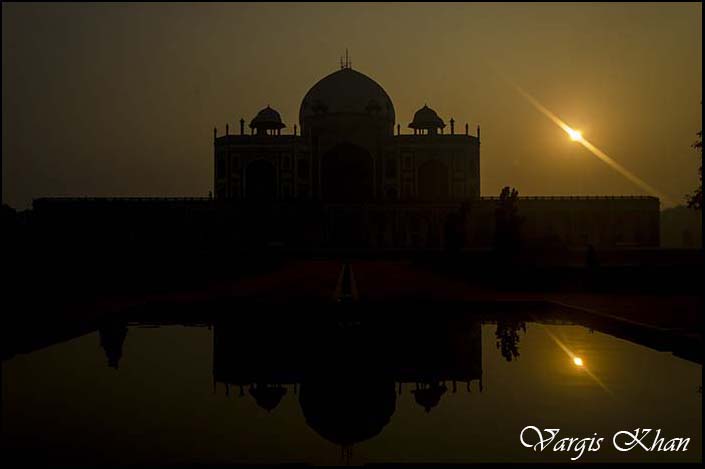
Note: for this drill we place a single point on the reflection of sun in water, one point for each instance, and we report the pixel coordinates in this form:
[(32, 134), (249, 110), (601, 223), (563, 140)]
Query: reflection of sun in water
[(577, 361), (575, 135)]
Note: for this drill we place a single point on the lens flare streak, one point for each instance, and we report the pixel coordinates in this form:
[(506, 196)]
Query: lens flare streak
[(576, 136), (576, 360)]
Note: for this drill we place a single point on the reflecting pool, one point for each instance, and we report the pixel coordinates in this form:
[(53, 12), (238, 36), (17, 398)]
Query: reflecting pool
[(409, 390)]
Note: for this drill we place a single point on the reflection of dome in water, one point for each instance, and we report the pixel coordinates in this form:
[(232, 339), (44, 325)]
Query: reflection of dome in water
[(348, 411), (347, 92), (429, 396), (267, 397)]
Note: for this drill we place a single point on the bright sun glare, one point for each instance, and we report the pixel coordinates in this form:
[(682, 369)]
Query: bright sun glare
[(575, 135), (578, 361)]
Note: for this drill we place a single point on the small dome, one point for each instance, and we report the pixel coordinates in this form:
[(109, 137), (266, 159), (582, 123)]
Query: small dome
[(426, 118), (267, 119)]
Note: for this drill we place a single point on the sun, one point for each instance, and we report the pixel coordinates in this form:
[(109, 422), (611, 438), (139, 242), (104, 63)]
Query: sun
[(575, 135), (578, 361)]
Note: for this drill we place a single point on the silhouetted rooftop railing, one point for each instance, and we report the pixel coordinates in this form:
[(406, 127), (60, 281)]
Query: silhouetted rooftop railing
[(577, 197), (44, 200), (122, 199), (447, 134), (283, 138), (287, 138)]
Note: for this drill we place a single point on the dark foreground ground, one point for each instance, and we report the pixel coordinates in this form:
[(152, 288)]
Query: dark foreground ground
[(53, 295)]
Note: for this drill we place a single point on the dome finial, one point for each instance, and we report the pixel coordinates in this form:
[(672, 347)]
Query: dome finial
[(347, 63)]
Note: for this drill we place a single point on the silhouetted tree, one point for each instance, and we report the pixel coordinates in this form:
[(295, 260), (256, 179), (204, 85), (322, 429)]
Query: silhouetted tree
[(507, 335), (695, 200), (508, 222)]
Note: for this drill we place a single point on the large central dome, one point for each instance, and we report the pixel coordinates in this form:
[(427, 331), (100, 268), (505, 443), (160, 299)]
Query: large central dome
[(347, 92)]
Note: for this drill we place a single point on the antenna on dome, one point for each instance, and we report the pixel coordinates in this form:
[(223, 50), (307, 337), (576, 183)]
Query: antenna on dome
[(347, 63)]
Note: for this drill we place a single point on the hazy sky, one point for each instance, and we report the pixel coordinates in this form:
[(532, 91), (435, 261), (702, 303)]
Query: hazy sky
[(121, 99)]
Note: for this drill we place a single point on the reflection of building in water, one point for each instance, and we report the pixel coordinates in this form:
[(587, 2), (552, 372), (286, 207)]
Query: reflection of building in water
[(267, 396), (347, 408), (347, 378), (349, 179), (428, 395)]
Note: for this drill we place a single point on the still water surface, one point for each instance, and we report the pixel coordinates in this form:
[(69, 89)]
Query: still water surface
[(226, 393)]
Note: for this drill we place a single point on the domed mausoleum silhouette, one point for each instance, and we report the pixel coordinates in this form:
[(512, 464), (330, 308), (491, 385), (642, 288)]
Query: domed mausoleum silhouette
[(346, 176), (357, 181)]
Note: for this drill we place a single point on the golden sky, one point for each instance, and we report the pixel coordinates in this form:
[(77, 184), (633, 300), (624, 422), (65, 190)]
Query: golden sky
[(121, 99)]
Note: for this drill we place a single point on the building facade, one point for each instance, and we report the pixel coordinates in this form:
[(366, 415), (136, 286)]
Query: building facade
[(346, 177), (357, 181), (347, 152)]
